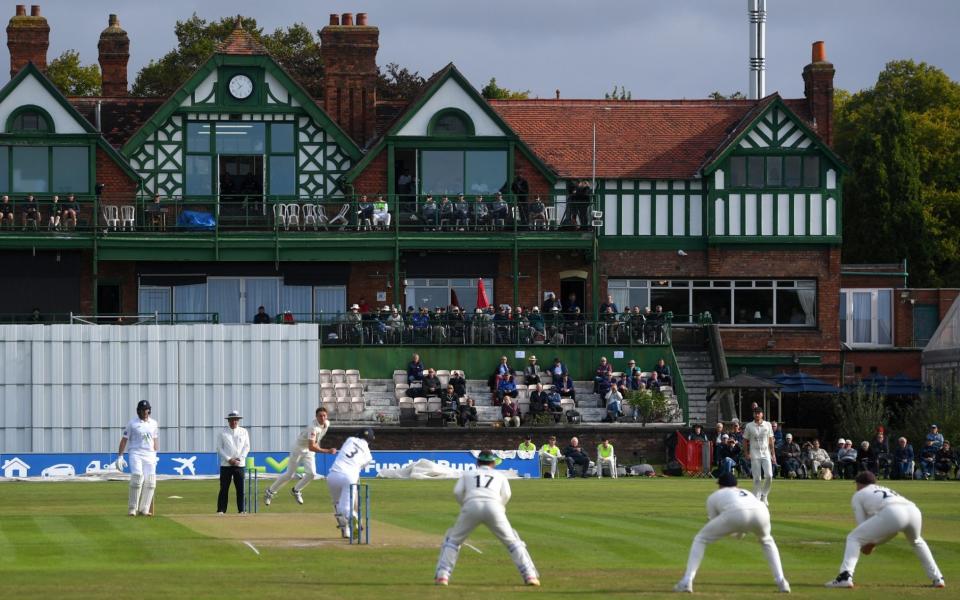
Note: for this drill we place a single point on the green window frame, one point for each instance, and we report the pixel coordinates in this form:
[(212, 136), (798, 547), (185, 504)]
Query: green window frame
[(775, 171), (17, 119), (465, 171), (435, 127), (54, 167)]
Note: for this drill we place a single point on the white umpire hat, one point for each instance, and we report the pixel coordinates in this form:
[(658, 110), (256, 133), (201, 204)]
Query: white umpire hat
[(233, 414)]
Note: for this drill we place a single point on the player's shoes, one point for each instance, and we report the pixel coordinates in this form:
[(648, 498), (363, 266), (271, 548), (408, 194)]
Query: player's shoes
[(783, 586), (939, 583), (219, 513), (441, 581), (683, 586), (532, 581), (132, 513), (297, 495), (268, 497), (843, 580)]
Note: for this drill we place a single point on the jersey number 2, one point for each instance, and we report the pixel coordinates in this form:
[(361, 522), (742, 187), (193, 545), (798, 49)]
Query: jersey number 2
[(489, 481)]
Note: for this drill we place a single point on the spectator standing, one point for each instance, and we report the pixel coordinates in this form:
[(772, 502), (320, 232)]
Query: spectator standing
[(233, 445), (881, 451), (520, 188)]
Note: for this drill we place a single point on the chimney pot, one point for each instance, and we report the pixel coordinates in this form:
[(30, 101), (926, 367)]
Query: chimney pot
[(819, 52), (362, 19), (114, 21), (34, 10), (334, 19), (558, 93), (21, 10), (346, 19)]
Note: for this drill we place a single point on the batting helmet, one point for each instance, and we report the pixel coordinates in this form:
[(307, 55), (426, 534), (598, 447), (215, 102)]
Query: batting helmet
[(366, 434), (143, 405)]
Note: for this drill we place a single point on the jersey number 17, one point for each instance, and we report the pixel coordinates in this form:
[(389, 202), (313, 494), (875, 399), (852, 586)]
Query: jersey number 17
[(489, 481)]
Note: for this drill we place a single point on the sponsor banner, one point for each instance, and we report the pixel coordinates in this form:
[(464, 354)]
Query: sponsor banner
[(186, 464)]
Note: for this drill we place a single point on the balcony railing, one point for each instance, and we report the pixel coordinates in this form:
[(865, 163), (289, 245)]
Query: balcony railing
[(154, 318), (398, 214), (488, 330)]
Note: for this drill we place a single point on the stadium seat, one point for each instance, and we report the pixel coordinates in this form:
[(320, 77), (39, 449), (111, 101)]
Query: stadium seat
[(356, 389), (405, 403), (443, 376), (352, 375), (341, 390), (433, 405), (401, 391), (400, 376), (338, 376), (326, 390), (325, 376), (420, 404)]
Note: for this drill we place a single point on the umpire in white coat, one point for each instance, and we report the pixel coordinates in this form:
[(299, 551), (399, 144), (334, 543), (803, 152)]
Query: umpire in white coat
[(233, 445)]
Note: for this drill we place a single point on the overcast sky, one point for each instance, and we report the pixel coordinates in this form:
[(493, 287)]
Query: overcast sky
[(655, 48)]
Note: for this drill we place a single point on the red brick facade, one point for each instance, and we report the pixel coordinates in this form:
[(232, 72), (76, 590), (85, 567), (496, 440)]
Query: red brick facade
[(350, 75), (28, 39), (373, 179), (114, 50)]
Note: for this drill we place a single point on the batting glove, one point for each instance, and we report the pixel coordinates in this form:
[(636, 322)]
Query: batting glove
[(121, 464)]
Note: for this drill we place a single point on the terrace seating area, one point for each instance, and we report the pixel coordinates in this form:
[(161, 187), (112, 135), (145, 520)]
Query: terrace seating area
[(387, 401)]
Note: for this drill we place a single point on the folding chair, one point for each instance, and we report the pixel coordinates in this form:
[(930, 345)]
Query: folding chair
[(611, 462), (341, 217)]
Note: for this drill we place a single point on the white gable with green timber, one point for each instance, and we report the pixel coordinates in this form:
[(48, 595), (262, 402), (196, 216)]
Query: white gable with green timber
[(265, 122), (776, 129)]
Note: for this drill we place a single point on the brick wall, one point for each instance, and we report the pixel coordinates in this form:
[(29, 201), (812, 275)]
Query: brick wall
[(551, 264), (630, 445), (373, 179), (368, 278), (884, 362), (109, 272), (120, 188), (538, 183)]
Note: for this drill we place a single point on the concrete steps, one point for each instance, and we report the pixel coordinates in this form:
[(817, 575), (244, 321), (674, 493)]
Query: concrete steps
[(697, 372)]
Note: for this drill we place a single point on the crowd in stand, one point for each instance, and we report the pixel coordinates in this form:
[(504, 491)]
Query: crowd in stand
[(545, 324), (936, 458), (59, 215)]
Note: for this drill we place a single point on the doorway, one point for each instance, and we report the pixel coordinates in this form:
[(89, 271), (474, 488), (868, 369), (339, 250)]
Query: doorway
[(577, 288), (926, 317), (241, 186), (405, 171), (108, 299)]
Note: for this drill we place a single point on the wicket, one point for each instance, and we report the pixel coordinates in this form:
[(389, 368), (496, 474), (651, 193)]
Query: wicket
[(251, 494), (359, 511)]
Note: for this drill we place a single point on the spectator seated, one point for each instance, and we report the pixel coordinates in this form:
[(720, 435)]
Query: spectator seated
[(606, 458), (510, 412), (532, 373), (506, 388), (550, 455), (663, 372), (946, 461), (903, 460), (928, 458), (790, 465), (449, 404), (847, 461), (414, 370), (468, 413), (816, 459), (576, 458)]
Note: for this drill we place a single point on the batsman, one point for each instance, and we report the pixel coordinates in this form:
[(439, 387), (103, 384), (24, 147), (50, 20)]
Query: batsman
[(140, 438)]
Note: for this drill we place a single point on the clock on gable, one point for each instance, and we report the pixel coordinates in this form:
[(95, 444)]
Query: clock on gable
[(240, 86)]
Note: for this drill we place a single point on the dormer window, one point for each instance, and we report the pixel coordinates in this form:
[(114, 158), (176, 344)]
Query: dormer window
[(30, 121), (451, 122)]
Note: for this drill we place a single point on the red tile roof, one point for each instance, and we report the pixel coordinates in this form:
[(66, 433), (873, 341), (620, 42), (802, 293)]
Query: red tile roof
[(120, 118), (240, 42), (641, 139)]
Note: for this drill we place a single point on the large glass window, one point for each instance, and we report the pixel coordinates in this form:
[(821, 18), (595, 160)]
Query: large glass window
[(198, 137), (738, 171), (629, 292), (755, 173), (240, 137), (774, 171), (796, 306), (433, 293), (811, 171), (283, 175), (486, 172), (866, 317), (71, 169), (199, 175), (31, 169), (791, 168), (441, 171), (715, 301), (281, 137)]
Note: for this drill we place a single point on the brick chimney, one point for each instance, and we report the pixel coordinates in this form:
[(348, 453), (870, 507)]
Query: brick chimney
[(350, 74), (28, 38), (114, 49), (818, 88)]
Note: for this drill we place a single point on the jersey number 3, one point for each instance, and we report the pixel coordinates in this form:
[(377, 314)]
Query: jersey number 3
[(489, 481)]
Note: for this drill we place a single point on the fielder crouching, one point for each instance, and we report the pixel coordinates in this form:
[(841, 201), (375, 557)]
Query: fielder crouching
[(140, 438), (483, 495)]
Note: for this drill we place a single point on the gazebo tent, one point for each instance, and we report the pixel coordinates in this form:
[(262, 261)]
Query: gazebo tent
[(941, 356), (744, 381), (802, 383)]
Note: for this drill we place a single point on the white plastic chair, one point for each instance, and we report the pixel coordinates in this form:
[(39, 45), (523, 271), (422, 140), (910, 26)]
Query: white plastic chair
[(341, 217), (325, 376), (401, 391), (420, 404), (612, 462), (443, 376), (111, 216), (434, 405), (338, 376), (352, 375), (128, 216), (310, 216), (405, 403), (293, 215), (280, 214), (342, 390), (399, 376), (356, 389)]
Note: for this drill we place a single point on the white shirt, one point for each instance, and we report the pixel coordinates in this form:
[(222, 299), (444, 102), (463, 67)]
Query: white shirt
[(759, 437), (874, 498), (485, 484), (730, 499), (314, 431), (140, 435), (233, 443), (352, 457)]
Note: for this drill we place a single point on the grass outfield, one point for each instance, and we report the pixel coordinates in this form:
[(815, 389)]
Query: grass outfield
[(628, 537)]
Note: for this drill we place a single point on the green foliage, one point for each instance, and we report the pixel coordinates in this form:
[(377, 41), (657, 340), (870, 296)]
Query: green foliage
[(859, 412), (651, 405), (398, 83), (621, 93), (294, 48), (72, 78), (492, 91), (939, 406), (737, 95), (901, 139)]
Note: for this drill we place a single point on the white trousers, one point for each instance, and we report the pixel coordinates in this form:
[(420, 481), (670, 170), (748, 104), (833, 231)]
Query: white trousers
[(762, 471), (552, 460), (883, 527), (298, 457), (143, 481), (494, 516), (755, 521), (339, 485)]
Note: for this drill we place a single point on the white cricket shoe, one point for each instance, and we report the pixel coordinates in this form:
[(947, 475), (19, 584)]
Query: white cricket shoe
[(843, 580), (783, 586), (441, 581), (683, 586), (219, 513), (132, 513), (268, 497), (297, 495), (532, 581), (938, 583)]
